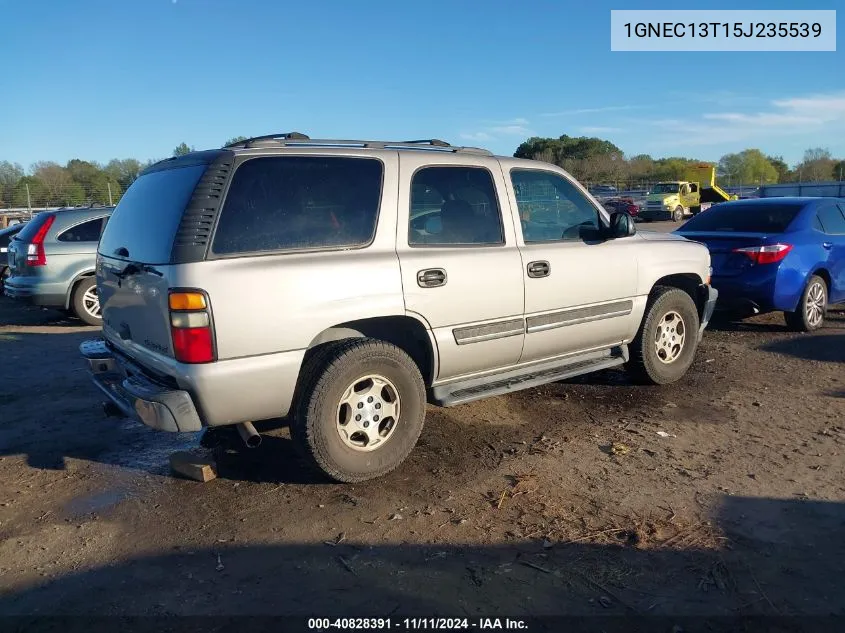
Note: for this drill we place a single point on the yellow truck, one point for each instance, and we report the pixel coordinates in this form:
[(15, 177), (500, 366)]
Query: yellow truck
[(678, 199)]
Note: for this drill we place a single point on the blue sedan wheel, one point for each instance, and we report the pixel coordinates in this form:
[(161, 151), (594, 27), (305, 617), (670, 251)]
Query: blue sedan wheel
[(810, 312)]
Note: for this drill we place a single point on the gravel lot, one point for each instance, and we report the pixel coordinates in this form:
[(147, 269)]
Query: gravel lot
[(720, 495)]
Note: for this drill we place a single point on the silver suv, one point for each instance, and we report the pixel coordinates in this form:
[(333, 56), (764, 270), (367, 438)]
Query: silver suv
[(346, 283), (51, 261)]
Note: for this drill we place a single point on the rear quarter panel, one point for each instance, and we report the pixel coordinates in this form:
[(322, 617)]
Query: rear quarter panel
[(264, 304)]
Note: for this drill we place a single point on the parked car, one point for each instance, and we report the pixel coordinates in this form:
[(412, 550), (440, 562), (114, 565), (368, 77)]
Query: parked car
[(776, 254), (346, 283), (625, 205), (6, 236), (603, 190), (52, 261)]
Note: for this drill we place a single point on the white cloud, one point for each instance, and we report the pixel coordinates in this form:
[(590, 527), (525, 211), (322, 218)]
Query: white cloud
[(511, 130), (812, 115), (476, 136), (496, 129)]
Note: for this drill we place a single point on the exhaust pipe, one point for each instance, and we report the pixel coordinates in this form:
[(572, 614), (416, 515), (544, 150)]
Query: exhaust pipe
[(249, 435)]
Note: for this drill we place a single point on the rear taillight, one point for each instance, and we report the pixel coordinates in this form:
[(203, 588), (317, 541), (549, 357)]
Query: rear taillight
[(768, 254), (35, 254), (190, 327)]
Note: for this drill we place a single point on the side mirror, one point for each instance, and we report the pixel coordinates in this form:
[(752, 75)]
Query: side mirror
[(621, 225)]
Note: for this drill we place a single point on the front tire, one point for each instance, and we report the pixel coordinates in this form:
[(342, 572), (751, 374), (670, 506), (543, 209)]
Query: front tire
[(360, 411), (812, 307), (665, 345), (678, 214), (85, 304)]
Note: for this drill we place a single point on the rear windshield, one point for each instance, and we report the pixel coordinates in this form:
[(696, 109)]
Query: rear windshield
[(744, 218), (31, 228), (148, 215), (299, 202)]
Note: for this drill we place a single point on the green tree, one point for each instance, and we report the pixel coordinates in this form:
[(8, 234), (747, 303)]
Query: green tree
[(73, 195), (56, 180), (749, 166), (817, 166), (780, 167), (124, 171), (182, 149), (37, 192), (10, 174), (236, 139)]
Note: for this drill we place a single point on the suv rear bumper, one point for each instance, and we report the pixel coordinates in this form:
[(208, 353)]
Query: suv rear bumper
[(36, 292), (159, 407)]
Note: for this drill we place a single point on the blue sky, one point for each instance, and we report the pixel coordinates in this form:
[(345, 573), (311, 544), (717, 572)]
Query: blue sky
[(99, 79)]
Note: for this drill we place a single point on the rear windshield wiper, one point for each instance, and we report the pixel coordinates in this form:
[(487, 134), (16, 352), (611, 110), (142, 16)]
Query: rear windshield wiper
[(134, 269)]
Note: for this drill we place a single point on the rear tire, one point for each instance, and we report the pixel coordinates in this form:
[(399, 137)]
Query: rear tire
[(337, 426), (84, 304), (678, 214), (665, 345), (812, 307)]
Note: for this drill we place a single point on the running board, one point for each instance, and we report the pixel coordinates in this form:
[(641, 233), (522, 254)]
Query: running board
[(462, 391)]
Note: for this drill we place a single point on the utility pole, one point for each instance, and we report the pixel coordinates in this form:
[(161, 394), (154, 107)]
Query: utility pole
[(28, 200), (108, 184)]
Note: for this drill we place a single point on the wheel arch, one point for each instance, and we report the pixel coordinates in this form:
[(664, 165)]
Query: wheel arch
[(690, 283), (85, 274), (406, 332)]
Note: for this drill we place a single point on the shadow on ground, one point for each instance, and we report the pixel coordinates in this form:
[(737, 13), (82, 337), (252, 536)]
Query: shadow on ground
[(820, 347), (782, 558)]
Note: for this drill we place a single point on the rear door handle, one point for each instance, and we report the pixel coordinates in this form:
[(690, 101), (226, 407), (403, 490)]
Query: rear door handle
[(827, 245), (539, 269), (431, 278)]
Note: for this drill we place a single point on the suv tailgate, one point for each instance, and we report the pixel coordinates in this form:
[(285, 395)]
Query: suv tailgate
[(134, 270)]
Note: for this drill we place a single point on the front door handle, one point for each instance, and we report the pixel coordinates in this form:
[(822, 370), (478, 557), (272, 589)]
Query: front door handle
[(827, 245), (431, 278), (539, 269)]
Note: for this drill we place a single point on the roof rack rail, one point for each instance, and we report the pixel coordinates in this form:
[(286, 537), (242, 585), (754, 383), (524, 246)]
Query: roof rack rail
[(300, 140), (268, 137), (430, 141)]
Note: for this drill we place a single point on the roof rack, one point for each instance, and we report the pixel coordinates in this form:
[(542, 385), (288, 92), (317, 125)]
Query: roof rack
[(295, 139), (268, 137)]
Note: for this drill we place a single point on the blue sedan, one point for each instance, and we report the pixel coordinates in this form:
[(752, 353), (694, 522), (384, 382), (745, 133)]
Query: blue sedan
[(775, 254)]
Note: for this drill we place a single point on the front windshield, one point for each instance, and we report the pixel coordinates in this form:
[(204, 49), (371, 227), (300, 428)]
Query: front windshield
[(666, 187)]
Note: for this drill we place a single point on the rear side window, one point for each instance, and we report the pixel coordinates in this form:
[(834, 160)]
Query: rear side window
[(454, 206), (744, 218), (831, 219), (300, 202), (31, 229), (148, 215), (85, 232)]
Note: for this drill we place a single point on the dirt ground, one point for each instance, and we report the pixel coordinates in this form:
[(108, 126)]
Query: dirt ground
[(720, 495)]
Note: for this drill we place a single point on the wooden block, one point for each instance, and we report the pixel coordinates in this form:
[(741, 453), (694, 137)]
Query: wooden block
[(196, 465)]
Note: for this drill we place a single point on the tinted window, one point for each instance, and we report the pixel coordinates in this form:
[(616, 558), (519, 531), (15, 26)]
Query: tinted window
[(832, 221), (454, 206), (85, 232), (148, 214), (744, 217), (295, 202), (551, 208)]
